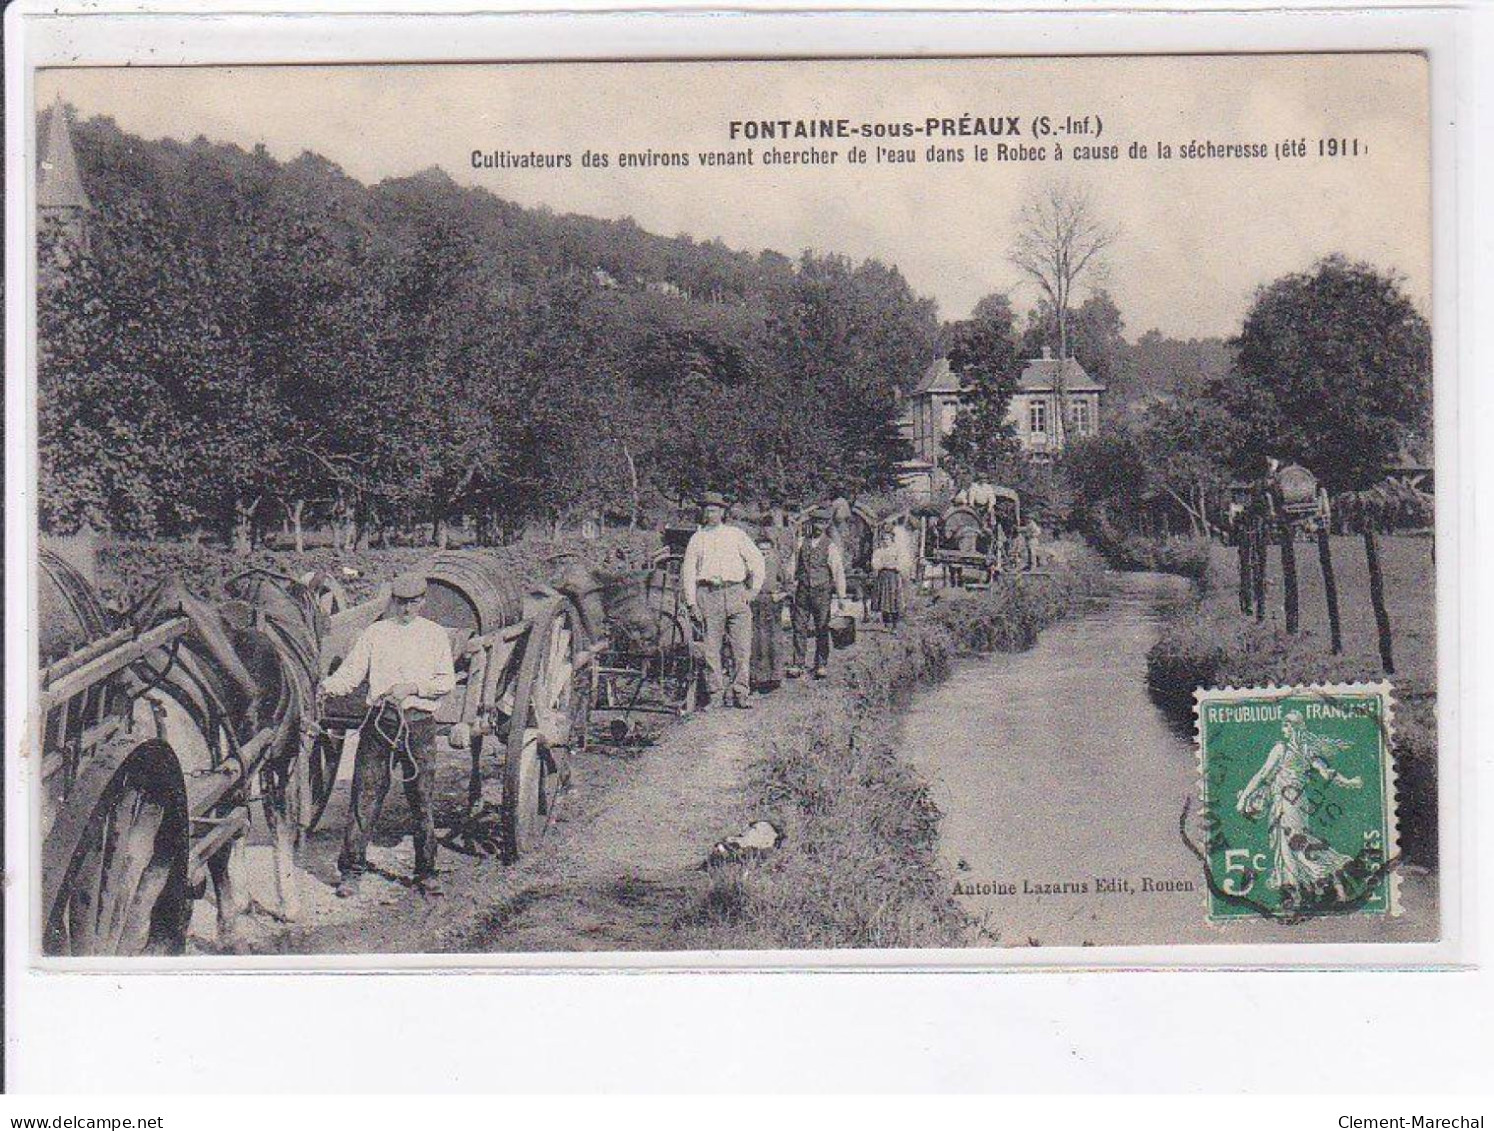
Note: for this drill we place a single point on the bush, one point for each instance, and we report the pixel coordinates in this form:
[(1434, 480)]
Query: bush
[(1206, 648), (1187, 557)]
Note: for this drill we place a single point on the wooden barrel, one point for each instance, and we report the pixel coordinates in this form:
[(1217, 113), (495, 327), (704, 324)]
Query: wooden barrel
[(469, 590), (71, 614)]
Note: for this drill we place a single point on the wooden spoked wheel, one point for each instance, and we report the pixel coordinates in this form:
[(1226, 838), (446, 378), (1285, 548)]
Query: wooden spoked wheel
[(120, 858), (551, 706)]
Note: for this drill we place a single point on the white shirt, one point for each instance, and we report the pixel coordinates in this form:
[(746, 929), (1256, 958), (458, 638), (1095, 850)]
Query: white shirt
[(388, 653), (721, 553)]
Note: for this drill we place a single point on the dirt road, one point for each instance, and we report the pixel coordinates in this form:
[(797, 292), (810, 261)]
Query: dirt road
[(617, 871)]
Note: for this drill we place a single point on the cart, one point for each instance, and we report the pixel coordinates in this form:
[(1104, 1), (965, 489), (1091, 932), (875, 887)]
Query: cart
[(155, 752), (520, 707), (652, 665)]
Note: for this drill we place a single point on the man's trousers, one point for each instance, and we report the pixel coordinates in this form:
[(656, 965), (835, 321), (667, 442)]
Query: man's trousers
[(728, 618), (372, 775), (812, 618)]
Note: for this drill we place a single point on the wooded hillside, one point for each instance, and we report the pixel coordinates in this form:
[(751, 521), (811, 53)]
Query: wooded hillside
[(245, 339)]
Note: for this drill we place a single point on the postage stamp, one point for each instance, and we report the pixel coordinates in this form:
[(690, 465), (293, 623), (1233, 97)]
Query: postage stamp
[(1298, 791)]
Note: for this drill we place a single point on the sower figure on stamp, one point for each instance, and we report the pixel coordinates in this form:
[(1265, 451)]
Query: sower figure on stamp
[(818, 573), (721, 574), (406, 662)]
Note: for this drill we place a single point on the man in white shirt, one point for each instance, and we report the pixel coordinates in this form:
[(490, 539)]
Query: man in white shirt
[(405, 660), (721, 574)]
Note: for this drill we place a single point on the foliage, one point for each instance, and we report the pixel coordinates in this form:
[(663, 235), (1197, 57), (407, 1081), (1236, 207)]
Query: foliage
[(1095, 338), (1333, 372), (982, 443), (245, 342)]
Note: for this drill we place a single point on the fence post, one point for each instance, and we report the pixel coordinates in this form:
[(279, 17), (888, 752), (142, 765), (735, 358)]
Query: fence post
[(1289, 572), (1242, 545), (1377, 596), (1258, 567), (1330, 589)]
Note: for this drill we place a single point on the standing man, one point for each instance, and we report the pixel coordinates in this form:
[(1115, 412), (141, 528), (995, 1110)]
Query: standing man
[(818, 573), (721, 574), (406, 662), (767, 664)]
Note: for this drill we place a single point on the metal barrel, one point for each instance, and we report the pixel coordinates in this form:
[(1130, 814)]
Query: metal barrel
[(471, 590)]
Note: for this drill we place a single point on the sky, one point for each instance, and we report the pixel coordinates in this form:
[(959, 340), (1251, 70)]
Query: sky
[(1195, 237)]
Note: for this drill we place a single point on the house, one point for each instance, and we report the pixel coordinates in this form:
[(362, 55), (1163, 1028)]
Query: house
[(1036, 403), (929, 412)]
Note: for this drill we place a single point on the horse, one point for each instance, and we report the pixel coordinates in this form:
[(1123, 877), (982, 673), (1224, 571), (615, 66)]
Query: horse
[(246, 666)]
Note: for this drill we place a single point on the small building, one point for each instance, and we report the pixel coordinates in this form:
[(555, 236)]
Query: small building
[(929, 412)]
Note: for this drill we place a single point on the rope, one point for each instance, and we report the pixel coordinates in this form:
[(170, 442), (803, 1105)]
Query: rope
[(398, 743)]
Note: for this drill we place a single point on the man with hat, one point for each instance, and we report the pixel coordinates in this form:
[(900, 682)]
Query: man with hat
[(405, 660), (721, 574), (818, 573)]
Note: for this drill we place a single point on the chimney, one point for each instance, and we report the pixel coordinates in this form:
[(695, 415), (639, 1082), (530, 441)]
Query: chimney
[(1047, 353)]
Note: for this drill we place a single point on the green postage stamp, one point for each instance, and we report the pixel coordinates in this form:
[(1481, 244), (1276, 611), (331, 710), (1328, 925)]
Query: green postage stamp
[(1298, 801)]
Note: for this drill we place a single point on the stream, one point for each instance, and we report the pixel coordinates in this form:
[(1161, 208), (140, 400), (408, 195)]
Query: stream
[(1062, 784)]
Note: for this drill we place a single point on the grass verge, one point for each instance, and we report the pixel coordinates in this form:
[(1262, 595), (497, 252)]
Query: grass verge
[(1213, 645), (860, 864)]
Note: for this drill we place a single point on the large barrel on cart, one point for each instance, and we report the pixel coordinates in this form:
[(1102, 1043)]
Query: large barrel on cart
[(523, 664), (156, 746)]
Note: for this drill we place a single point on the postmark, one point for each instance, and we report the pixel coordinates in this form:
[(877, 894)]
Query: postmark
[(1298, 791)]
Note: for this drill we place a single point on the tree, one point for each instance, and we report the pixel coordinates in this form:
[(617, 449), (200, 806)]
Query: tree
[(1334, 371), (1060, 243), (983, 355), (1095, 335)]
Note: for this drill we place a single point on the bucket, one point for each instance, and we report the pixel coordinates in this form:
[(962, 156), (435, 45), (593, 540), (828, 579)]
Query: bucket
[(842, 631)]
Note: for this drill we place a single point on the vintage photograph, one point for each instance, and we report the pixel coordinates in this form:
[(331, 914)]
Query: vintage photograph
[(579, 508)]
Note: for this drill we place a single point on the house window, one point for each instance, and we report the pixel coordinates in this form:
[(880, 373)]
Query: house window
[(1037, 417), (1079, 420)]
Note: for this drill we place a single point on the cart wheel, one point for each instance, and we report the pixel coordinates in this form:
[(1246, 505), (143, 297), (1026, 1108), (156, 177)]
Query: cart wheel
[(116, 862), (550, 719), (320, 768)]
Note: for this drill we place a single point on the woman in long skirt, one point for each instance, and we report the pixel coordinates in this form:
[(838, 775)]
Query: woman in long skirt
[(888, 566)]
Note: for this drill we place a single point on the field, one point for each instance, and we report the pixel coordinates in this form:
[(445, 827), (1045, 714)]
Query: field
[(1215, 645)]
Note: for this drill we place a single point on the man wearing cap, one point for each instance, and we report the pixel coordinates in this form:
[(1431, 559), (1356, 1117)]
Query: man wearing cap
[(721, 574), (818, 573), (406, 662)]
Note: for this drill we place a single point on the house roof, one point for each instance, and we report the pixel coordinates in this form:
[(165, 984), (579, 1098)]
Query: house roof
[(938, 378), (1038, 374), (57, 182)]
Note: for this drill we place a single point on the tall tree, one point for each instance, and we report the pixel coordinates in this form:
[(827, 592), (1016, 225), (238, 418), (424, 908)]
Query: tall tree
[(1060, 244), (983, 355), (1334, 371)]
